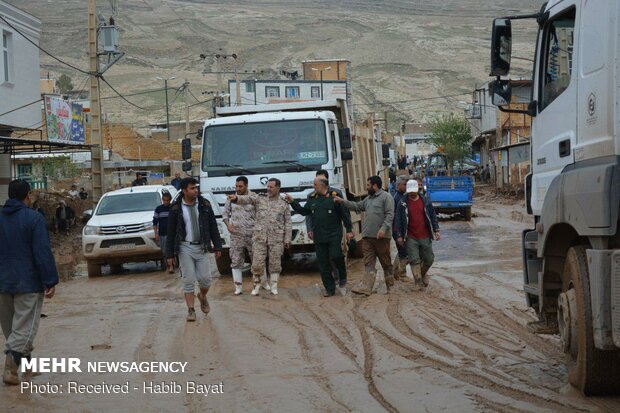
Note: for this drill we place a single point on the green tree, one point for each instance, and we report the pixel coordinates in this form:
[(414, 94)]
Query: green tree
[(64, 84), (59, 168), (452, 134)]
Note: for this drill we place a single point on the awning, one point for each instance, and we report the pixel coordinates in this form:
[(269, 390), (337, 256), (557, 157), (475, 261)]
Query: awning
[(20, 145)]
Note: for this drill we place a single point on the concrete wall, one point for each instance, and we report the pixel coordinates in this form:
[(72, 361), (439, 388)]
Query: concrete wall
[(23, 84)]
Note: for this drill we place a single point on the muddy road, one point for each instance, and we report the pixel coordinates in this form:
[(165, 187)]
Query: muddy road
[(460, 346)]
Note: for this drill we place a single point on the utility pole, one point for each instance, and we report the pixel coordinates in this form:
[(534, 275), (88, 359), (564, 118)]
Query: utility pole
[(238, 85), (97, 166), (167, 112), (186, 92)]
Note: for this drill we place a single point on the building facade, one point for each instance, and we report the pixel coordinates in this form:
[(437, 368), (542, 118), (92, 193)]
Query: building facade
[(258, 92), (19, 70)]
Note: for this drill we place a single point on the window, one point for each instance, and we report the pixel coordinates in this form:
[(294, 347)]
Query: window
[(6, 56), (558, 64), (292, 92), (315, 92), (250, 87), (272, 91), (24, 170)]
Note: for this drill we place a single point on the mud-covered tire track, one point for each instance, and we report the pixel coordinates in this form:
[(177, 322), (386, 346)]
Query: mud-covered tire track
[(369, 361)]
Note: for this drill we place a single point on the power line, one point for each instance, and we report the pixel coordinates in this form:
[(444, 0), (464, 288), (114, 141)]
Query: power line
[(21, 107), (135, 94), (200, 103), (43, 50), (120, 95)]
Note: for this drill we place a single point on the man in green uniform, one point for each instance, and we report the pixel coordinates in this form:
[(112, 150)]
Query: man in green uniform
[(328, 218)]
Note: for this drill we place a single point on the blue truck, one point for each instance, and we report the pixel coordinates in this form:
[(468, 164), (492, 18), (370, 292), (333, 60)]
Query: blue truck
[(448, 194)]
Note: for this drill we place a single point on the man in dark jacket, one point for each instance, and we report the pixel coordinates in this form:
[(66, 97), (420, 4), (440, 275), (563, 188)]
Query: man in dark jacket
[(191, 231), (28, 274), (400, 261), (415, 227)]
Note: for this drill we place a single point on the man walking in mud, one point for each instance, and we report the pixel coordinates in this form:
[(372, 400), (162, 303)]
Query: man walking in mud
[(400, 261), (376, 233), (192, 230), (416, 227), (28, 275), (272, 232), (240, 221), (328, 218)]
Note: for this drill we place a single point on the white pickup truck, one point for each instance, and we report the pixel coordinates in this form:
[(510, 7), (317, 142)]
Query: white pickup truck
[(121, 228)]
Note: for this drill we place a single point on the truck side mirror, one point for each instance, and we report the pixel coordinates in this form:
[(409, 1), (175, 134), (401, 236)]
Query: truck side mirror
[(501, 47), (187, 166), (199, 133), (345, 138), (346, 155), (186, 149), (385, 151), (501, 92)]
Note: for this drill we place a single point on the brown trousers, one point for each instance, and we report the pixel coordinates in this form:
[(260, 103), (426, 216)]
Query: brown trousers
[(377, 248)]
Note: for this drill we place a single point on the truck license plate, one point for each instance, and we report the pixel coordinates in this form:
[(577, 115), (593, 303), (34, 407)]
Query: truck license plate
[(123, 246)]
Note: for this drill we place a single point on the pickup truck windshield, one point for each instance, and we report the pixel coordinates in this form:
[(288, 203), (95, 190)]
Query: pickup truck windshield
[(264, 147), (136, 202)]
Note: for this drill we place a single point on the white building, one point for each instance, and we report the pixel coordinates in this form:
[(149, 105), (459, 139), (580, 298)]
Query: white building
[(257, 92), (19, 70)]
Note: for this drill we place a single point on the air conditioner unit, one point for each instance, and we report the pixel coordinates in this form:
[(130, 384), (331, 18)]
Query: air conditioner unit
[(109, 38)]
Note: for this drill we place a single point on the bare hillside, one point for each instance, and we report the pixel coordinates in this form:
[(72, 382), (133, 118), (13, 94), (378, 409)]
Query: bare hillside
[(400, 50)]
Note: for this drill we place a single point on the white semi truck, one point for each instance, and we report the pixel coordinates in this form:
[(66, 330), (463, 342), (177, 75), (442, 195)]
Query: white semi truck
[(290, 142), (571, 255)]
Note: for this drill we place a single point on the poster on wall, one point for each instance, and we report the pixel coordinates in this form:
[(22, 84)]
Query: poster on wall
[(64, 120)]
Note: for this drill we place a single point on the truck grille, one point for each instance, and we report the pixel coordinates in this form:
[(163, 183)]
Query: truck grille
[(122, 229), (615, 297), (122, 241)]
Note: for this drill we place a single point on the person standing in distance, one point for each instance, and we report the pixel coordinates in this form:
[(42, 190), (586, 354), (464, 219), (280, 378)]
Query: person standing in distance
[(28, 275), (192, 230), (160, 226)]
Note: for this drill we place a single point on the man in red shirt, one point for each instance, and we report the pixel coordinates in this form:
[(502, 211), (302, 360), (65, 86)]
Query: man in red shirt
[(416, 226)]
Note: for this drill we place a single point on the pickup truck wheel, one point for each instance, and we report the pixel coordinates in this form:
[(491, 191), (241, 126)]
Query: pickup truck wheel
[(116, 268), (223, 263), (94, 269), (593, 371), (467, 214)]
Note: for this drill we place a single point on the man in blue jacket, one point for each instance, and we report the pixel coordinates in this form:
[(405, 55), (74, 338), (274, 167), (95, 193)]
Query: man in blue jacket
[(28, 274), (415, 227)]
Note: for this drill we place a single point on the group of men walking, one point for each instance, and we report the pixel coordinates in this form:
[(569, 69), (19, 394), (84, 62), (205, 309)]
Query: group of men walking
[(260, 226)]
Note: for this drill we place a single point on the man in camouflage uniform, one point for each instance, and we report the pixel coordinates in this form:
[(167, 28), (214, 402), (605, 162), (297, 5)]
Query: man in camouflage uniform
[(240, 220), (272, 232)]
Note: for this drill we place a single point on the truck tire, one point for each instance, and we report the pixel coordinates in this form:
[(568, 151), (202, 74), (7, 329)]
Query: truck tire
[(467, 214), (223, 263), (93, 268), (592, 371)]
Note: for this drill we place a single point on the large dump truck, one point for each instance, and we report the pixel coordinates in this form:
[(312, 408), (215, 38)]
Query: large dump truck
[(290, 142), (571, 254)]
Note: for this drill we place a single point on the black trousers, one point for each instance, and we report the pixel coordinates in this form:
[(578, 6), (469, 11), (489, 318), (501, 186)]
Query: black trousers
[(326, 253)]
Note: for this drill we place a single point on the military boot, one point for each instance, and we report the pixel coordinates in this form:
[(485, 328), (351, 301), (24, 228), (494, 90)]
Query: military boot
[(237, 276), (417, 276), (389, 279), (264, 282), (10, 375), (425, 277), (366, 284), (274, 283)]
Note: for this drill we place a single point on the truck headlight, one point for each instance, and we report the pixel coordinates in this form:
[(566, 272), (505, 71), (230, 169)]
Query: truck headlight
[(91, 230)]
